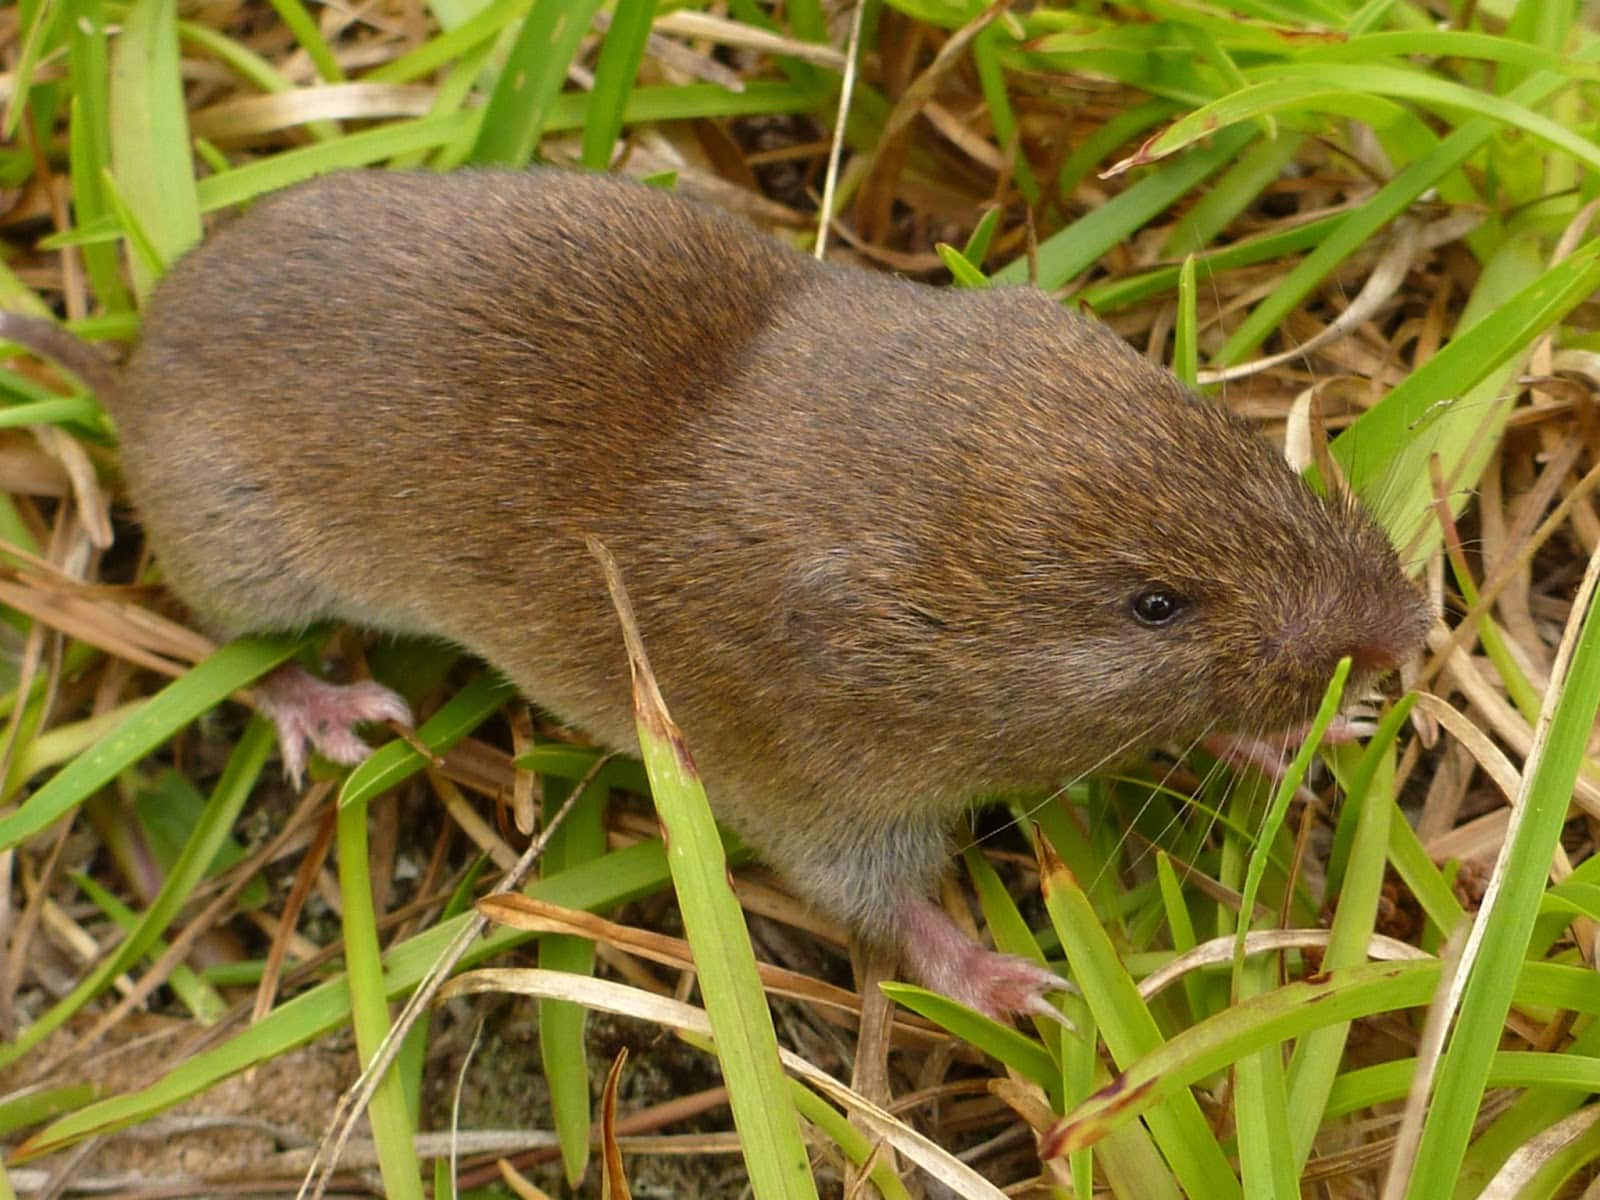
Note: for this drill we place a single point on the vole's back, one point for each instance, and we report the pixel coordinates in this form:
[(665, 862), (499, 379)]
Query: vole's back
[(403, 401)]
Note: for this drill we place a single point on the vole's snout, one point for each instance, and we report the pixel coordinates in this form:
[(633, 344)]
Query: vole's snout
[(1377, 656), (1383, 629), (1378, 622)]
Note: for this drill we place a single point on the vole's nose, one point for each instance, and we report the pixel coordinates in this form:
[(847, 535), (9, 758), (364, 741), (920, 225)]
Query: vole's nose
[(1389, 634), (1375, 656)]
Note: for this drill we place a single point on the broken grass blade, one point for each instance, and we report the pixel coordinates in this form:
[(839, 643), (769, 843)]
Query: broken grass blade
[(741, 1022)]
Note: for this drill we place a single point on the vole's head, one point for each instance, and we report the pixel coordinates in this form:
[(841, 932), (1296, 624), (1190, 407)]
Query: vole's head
[(1100, 561), (1212, 589)]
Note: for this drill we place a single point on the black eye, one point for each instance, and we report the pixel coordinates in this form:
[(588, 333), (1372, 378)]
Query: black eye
[(1157, 606)]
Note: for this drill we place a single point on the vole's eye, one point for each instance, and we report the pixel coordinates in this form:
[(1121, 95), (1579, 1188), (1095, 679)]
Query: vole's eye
[(1156, 606)]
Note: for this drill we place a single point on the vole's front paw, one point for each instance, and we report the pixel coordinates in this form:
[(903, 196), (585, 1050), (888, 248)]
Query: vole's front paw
[(1001, 986), (311, 713)]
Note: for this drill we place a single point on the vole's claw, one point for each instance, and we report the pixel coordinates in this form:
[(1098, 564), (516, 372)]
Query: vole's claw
[(1000, 986), (1004, 985), (1038, 1006), (311, 713)]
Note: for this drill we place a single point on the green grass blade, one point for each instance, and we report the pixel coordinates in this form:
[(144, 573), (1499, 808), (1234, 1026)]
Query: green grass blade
[(962, 272), (37, 19), (977, 247), (245, 183), (1507, 917), (1185, 333), (89, 143), (579, 839), (232, 667), (992, 81), (1073, 250), (395, 761), (1022, 1054), (857, 1147), (534, 72), (1240, 187), (393, 1123), (483, 26), (614, 75), (1261, 1108), (150, 134), (1130, 1031), (1098, 146), (1317, 1055), (1114, 294), (1366, 1087), (303, 26), (1453, 43), (143, 253), (1272, 823)]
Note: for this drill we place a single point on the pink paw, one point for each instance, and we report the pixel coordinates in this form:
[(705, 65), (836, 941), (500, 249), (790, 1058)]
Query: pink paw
[(1004, 985), (997, 985), (311, 713)]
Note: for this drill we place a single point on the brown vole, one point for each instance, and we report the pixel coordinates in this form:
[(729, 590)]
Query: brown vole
[(891, 546)]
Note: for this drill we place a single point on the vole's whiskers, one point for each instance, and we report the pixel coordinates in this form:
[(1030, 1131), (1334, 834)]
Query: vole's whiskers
[(1213, 811), (1138, 739), (1150, 797)]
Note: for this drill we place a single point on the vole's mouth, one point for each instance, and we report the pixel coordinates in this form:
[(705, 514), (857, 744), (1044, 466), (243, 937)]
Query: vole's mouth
[(1270, 754)]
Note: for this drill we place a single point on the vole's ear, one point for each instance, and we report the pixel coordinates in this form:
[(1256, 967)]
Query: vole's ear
[(854, 610), (821, 599)]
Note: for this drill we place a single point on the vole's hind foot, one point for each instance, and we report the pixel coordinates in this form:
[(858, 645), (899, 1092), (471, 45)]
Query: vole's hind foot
[(312, 714), (1001, 986)]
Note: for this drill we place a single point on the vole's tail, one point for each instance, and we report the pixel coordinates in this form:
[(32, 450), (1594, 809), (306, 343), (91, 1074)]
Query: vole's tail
[(48, 340)]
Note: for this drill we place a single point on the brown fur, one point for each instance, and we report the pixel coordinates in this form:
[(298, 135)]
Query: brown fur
[(882, 538)]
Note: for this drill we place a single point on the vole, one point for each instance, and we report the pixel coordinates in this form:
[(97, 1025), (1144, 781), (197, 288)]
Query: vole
[(892, 547)]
